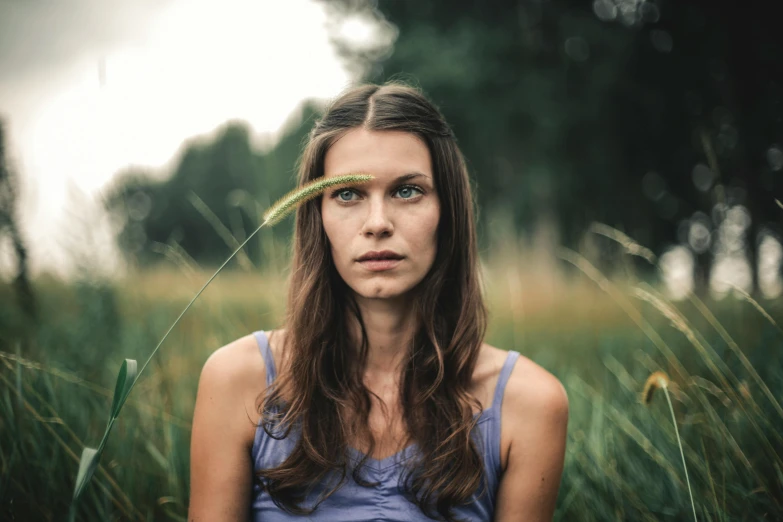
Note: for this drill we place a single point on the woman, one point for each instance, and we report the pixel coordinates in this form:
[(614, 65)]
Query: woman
[(379, 399)]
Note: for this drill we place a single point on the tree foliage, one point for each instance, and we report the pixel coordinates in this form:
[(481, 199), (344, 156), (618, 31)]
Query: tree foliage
[(215, 195)]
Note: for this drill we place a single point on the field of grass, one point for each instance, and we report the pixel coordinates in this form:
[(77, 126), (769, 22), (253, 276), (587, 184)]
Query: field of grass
[(602, 337)]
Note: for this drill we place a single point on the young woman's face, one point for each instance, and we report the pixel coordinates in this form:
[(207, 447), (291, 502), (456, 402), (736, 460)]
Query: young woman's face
[(387, 213)]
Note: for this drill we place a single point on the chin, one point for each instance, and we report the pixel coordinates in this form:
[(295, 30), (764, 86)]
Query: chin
[(383, 290)]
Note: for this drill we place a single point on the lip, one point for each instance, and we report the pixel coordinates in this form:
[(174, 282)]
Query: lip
[(380, 265), (374, 255)]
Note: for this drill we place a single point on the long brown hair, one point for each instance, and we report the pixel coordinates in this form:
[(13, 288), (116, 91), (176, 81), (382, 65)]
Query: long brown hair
[(324, 373)]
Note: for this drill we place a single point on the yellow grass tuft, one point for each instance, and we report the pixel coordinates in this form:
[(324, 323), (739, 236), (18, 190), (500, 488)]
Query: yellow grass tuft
[(655, 381)]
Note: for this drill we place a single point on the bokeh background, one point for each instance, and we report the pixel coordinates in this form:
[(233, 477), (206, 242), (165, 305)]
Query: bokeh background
[(627, 160)]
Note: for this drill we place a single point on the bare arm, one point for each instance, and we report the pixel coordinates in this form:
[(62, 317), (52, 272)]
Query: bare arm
[(535, 414), (220, 463)]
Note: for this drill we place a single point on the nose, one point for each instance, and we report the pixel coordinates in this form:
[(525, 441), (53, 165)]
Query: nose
[(378, 222)]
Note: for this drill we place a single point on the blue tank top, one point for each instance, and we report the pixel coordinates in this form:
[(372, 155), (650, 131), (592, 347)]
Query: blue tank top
[(386, 501)]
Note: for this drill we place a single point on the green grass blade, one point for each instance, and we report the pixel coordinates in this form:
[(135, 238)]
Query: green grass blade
[(128, 373), (87, 465), (90, 456)]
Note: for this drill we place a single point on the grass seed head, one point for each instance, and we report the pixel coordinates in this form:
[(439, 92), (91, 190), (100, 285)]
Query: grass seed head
[(313, 189), (654, 381)]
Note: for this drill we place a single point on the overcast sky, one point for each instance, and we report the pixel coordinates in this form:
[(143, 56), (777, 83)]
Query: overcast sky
[(88, 87)]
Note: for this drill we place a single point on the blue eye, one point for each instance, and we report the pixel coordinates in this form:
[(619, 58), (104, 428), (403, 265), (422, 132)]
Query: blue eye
[(346, 191), (409, 188)]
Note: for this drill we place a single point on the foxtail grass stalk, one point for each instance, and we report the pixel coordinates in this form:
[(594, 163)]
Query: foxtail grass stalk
[(661, 380), (129, 376)]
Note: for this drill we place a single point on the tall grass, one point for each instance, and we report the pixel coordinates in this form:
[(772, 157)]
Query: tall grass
[(602, 336)]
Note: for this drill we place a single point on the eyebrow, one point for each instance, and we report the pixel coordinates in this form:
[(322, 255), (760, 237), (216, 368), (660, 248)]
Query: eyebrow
[(400, 179), (411, 175)]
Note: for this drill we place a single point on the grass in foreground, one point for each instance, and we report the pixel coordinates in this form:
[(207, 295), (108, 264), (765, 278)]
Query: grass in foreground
[(623, 458)]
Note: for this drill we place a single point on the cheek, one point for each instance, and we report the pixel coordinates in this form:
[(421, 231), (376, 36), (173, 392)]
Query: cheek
[(335, 234), (429, 228), (329, 232)]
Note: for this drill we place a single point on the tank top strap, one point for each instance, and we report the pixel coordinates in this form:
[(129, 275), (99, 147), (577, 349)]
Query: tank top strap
[(505, 373), (266, 353), (492, 429)]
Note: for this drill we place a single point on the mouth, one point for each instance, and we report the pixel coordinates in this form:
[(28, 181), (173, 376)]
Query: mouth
[(385, 258), (384, 255), (380, 264)]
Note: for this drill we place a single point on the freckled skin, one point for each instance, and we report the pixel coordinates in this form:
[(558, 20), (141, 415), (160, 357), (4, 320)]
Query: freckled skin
[(382, 214)]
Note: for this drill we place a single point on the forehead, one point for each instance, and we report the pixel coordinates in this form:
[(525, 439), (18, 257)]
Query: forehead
[(383, 154)]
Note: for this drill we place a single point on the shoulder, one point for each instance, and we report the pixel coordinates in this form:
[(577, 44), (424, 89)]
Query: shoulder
[(529, 385), (231, 380), (534, 412), (525, 376), (234, 364), (534, 397), (533, 390), (224, 425), (533, 440)]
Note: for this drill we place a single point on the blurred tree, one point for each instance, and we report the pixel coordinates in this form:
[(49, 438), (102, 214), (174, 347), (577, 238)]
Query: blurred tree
[(714, 127), (213, 199), (164, 212), (9, 229), (643, 115)]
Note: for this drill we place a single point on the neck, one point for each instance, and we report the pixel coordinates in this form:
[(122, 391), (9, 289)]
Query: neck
[(390, 326)]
